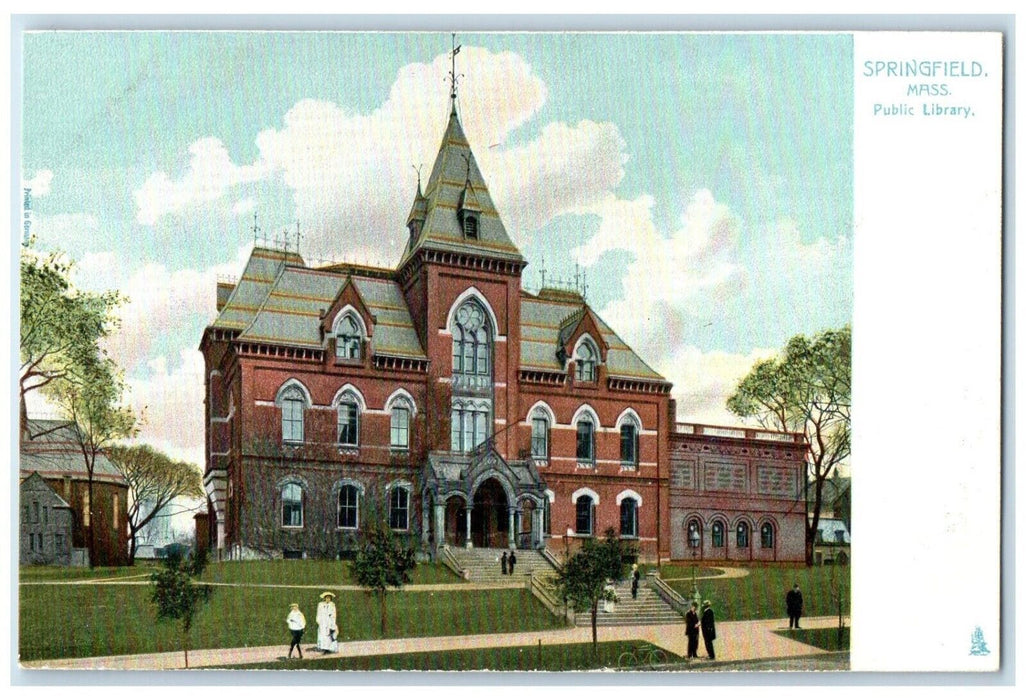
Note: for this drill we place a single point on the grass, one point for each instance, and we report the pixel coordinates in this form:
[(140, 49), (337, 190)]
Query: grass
[(100, 620), (760, 595), (821, 638), (674, 571), (556, 657), (309, 572)]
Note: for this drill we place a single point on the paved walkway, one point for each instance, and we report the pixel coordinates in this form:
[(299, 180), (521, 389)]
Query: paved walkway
[(735, 641)]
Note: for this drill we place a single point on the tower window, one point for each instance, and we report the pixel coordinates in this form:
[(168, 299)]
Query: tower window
[(470, 227)]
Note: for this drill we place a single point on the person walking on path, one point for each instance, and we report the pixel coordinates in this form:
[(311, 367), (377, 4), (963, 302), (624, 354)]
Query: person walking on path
[(708, 629), (794, 607), (296, 623), (327, 625), (635, 579), (512, 561), (691, 630), (505, 570)]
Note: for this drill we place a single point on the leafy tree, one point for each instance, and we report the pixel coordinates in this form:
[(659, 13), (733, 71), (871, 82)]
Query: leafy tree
[(582, 579), (383, 561), (177, 595), (96, 418), (61, 327), (807, 389), (154, 481)]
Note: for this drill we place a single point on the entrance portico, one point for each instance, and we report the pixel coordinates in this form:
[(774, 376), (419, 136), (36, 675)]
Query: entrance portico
[(478, 500)]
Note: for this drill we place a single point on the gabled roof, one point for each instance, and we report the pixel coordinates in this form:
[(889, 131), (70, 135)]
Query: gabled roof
[(542, 322), (447, 190), (36, 480), (52, 449), (262, 269)]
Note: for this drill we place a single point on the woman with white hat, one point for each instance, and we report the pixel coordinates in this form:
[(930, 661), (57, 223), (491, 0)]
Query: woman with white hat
[(327, 627)]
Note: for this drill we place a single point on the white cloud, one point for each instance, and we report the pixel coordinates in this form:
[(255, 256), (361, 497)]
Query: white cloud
[(171, 402), (209, 176), (703, 381), (244, 206), (65, 230), (39, 183)]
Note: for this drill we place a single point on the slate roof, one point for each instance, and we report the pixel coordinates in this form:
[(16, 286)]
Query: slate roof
[(445, 192), (52, 450), (828, 530), (541, 324)]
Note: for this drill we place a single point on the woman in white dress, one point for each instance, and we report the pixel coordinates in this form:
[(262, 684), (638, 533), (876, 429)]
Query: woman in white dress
[(327, 626)]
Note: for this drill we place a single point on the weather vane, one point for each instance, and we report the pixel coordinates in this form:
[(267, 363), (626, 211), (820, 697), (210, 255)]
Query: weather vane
[(453, 76)]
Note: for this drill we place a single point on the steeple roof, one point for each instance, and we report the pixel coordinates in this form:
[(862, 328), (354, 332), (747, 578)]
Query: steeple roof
[(456, 184)]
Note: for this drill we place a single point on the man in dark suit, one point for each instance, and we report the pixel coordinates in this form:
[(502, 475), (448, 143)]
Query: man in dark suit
[(691, 630), (512, 561), (708, 628), (794, 607)]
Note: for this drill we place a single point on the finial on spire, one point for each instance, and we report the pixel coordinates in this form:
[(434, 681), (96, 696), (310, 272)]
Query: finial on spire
[(256, 229), (417, 168), (453, 76), (299, 237)]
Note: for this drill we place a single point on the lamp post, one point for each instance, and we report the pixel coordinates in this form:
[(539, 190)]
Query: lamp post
[(694, 540)]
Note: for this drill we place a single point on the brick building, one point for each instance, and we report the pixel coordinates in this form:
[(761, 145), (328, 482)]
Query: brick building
[(442, 397), (49, 449)]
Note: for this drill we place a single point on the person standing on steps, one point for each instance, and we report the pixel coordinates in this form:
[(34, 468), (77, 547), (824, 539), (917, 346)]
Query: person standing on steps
[(512, 561), (795, 603), (635, 579), (708, 629), (692, 630), (504, 560), (296, 623)]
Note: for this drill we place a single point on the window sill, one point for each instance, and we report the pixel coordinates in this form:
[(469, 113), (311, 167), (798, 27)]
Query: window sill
[(353, 450), (347, 529), (540, 461), (292, 527), (585, 465), (628, 466), (348, 361)]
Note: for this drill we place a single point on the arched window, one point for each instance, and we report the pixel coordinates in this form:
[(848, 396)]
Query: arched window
[(718, 531), (585, 440), (471, 340), (348, 339), (539, 435), (293, 406), (399, 508), (400, 439), (585, 515), (348, 420), (629, 444), (628, 518), (586, 361), (766, 533), (292, 505), (469, 421), (694, 530), (742, 535), (349, 507)]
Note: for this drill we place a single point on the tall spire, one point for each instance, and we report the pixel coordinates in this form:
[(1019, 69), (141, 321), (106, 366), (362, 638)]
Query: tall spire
[(454, 77)]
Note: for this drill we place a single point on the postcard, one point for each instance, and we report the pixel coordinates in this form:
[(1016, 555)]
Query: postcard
[(623, 352)]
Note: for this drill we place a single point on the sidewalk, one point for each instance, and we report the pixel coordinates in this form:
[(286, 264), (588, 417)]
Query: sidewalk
[(735, 641)]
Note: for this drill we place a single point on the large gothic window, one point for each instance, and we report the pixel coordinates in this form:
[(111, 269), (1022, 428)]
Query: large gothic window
[(471, 340), (400, 438), (348, 421), (293, 407), (469, 421)]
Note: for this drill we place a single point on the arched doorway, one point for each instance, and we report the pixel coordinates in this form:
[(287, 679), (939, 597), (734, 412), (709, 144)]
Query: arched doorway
[(489, 519), (456, 521)]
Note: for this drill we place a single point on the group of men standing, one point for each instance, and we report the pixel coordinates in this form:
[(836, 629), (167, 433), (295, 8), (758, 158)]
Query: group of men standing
[(508, 562)]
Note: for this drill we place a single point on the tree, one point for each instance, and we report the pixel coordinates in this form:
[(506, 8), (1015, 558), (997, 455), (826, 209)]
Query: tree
[(807, 389), (383, 561), (61, 327), (96, 418), (154, 481), (177, 595), (582, 579)]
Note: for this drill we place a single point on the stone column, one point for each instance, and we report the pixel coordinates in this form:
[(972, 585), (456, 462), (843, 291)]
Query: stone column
[(470, 542), (537, 518), (439, 525), (425, 518), (512, 527)]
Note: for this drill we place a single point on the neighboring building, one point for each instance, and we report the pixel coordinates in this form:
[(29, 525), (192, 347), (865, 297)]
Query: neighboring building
[(49, 448), (46, 524), (833, 542), (443, 398), (158, 532)]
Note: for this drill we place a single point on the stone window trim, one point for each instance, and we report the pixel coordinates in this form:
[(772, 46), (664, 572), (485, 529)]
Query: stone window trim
[(629, 515), (586, 360), (470, 424), (350, 333), (349, 410), (584, 521), (287, 492), (293, 396), (400, 425), (472, 333)]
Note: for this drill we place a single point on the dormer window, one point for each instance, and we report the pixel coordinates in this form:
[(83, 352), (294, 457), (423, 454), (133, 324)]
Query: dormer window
[(586, 361), (348, 339), (470, 227)]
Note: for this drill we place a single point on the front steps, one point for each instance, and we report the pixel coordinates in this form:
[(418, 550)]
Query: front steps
[(484, 565)]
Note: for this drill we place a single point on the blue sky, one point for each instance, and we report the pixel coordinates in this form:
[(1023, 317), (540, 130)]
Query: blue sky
[(704, 181)]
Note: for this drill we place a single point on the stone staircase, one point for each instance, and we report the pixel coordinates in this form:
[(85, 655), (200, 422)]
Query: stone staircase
[(648, 609), (483, 565)]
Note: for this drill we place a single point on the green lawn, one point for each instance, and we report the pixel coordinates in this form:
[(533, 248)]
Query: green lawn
[(760, 595), (823, 638), (671, 571), (564, 657), (309, 572), (73, 621), (69, 573)]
